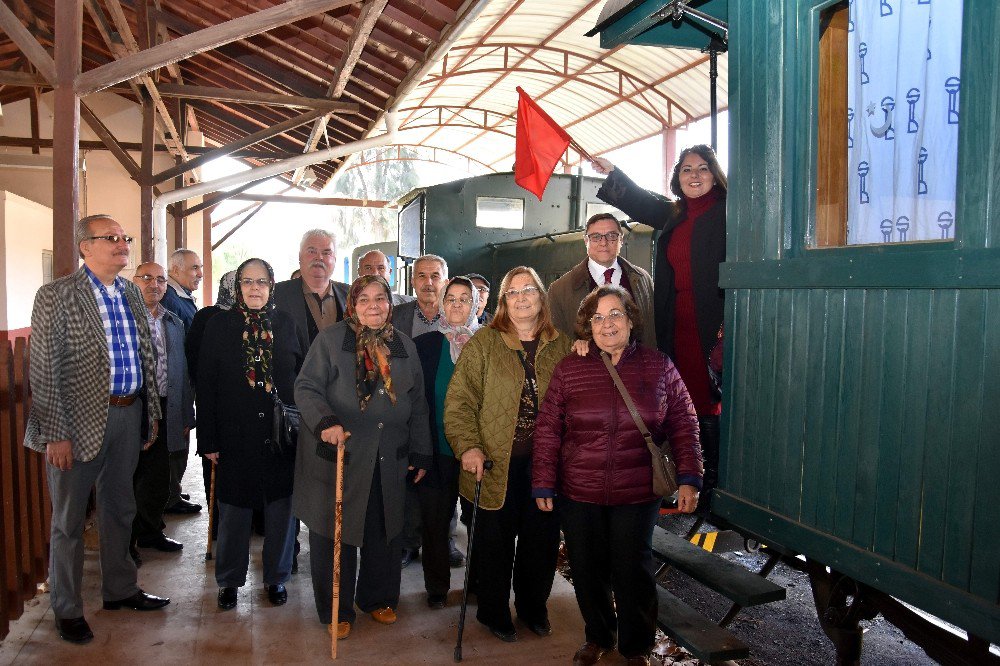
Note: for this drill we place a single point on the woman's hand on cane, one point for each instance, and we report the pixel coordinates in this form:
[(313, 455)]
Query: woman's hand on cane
[(214, 457), (472, 462), (335, 435)]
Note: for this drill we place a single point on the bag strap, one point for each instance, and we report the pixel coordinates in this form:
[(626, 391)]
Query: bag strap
[(653, 448)]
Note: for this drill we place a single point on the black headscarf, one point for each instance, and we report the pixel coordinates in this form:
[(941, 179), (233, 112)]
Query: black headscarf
[(258, 337)]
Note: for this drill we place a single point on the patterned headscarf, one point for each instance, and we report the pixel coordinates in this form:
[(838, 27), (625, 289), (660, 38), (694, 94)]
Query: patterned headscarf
[(459, 335), (258, 337), (372, 347), (227, 291)]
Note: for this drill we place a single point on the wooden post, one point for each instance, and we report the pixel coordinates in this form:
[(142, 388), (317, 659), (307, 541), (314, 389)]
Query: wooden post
[(146, 180), (66, 135), (11, 537)]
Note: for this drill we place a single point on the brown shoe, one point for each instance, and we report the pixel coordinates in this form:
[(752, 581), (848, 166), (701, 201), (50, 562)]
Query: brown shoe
[(644, 660), (343, 630), (590, 653), (384, 615)]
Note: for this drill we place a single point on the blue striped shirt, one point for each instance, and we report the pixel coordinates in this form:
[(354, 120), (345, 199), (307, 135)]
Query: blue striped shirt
[(122, 334)]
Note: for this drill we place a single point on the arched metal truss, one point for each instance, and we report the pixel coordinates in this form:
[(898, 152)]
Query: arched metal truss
[(384, 154)]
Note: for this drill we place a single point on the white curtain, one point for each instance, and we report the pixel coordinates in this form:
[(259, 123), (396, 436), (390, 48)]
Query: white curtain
[(903, 98)]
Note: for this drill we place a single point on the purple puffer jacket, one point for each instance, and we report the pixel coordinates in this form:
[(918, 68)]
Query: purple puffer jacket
[(588, 448)]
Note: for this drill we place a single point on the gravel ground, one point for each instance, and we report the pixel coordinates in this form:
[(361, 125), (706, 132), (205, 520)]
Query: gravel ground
[(785, 633)]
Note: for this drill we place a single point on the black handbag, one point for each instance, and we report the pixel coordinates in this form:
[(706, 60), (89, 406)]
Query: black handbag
[(285, 430), (664, 469)]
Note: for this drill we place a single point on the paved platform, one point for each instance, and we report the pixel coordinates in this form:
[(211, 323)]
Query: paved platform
[(191, 630)]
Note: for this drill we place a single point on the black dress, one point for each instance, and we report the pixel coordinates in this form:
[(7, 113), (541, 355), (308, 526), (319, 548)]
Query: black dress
[(235, 420)]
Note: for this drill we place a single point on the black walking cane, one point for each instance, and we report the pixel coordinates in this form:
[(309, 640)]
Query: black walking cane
[(487, 466)]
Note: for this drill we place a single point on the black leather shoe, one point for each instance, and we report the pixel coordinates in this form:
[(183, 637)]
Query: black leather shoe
[(277, 594), (134, 554), (185, 496), (139, 601), (227, 598), (455, 558), (437, 600), (74, 630), (505, 633), (182, 506), (409, 555), (542, 628), (161, 542)]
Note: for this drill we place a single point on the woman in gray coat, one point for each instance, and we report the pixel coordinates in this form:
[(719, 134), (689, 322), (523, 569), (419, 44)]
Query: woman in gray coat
[(361, 384)]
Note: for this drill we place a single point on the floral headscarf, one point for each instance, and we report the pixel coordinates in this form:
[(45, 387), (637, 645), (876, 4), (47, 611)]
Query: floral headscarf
[(459, 335), (372, 347), (227, 291), (258, 337)]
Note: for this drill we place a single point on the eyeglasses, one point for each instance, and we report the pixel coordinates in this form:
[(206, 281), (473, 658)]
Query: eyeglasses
[(113, 238), (451, 300), (260, 282), (614, 316), (611, 237), (160, 280), (483, 290), (525, 291)]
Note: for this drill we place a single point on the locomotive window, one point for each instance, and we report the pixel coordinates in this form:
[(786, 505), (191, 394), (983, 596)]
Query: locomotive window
[(593, 208), (888, 111), (499, 213)]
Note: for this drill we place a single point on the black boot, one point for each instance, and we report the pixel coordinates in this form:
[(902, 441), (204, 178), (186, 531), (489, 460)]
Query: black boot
[(709, 426)]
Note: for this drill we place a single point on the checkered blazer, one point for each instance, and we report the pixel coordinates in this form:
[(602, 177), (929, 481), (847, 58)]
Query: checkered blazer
[(69, 371)]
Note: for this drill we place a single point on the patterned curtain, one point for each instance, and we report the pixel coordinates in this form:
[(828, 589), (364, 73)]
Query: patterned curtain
[(903, 91)]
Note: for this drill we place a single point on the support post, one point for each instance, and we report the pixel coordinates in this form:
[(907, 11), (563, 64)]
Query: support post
[(146, 179), (669, 136), (713, 75), (66, 136), (207, 281)]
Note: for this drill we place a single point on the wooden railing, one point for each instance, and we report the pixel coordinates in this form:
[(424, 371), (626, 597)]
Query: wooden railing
[(26, 511)]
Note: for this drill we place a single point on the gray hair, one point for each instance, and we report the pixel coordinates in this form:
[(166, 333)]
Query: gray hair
[(82, 229), (177, 258), (433, 257), (322, 233)]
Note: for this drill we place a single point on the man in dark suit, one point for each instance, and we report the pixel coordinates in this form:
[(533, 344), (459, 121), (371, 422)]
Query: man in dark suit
[(314, 300), (603, 239), (92, 371), (152, 475)]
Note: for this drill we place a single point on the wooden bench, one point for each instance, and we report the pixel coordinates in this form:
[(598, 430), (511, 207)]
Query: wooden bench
[(696, 633)]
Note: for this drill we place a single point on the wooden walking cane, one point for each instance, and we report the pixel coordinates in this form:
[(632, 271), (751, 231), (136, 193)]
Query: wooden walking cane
[(338, 521), (211, 513)]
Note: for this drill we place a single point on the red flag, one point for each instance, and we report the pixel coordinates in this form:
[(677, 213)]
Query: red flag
[(540, 143)]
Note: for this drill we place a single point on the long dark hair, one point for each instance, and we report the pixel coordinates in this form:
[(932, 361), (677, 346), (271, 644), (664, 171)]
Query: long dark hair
[(705, 152)]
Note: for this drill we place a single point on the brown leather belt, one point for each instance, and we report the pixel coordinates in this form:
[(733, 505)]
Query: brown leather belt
[(122, 400)]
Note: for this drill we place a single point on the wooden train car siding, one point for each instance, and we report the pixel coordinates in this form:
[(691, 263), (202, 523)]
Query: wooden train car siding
[(862, 410)]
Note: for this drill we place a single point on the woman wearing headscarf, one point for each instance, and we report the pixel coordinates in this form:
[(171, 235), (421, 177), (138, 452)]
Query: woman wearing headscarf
[(687, 302), (360, 385), (438, 352), (248, 354), (489, 414)]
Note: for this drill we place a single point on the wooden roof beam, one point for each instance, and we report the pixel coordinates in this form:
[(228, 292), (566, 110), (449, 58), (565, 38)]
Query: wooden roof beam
[(202, 40), (186, 91), (26, 42)]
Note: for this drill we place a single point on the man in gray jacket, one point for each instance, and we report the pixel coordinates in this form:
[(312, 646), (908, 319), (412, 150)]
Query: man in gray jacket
[(603, 238), (92, 371), (152, 479)]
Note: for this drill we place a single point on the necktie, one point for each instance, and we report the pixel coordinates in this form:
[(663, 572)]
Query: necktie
[(607, 275)]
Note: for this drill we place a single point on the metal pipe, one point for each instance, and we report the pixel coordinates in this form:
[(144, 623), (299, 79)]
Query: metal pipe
[(713, 76), (259, 173)]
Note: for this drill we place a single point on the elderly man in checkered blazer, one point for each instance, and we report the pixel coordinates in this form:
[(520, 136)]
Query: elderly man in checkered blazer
[(93, 404)]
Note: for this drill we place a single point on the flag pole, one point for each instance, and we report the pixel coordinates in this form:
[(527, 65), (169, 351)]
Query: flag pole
[(578, 148)]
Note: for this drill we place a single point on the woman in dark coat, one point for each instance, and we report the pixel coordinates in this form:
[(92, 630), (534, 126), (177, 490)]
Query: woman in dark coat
[(248, 353), (687, 301), (360, 385), (590, 457), (438, 352)]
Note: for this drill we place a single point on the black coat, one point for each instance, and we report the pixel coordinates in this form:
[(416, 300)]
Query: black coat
[(235, 420), (429, 348), (708, 250)]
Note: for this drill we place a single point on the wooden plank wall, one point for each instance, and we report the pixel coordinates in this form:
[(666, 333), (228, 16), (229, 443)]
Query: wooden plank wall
[(26, 510)]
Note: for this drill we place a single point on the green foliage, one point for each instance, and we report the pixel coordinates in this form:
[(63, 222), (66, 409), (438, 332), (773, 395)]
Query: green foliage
[(228, 259)]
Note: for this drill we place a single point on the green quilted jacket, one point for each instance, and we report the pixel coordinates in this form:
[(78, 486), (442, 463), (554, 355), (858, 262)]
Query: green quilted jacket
[(480, 408)]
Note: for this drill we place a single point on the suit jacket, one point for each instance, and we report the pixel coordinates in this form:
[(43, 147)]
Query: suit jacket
[(70, 370), (288, 298), (568, 291), (402, 316), (399, 299), (180, 394)]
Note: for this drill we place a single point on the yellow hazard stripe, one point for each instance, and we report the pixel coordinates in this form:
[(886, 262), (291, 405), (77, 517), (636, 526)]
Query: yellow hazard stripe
[(705, 540)]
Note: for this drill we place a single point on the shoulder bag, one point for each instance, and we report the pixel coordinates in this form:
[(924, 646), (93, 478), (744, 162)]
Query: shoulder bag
[(285, 428), (664, 469)]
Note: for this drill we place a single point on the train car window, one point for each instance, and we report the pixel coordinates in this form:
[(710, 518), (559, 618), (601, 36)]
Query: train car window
[(888, 112), (499, 213), (411, 222)]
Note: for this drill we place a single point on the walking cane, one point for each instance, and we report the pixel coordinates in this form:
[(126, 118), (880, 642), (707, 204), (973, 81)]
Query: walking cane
[(338, 520), (211, 513), (487, 466)]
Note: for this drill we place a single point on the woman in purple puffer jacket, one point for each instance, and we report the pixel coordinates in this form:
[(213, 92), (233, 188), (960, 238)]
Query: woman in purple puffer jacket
[(591, 460)]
